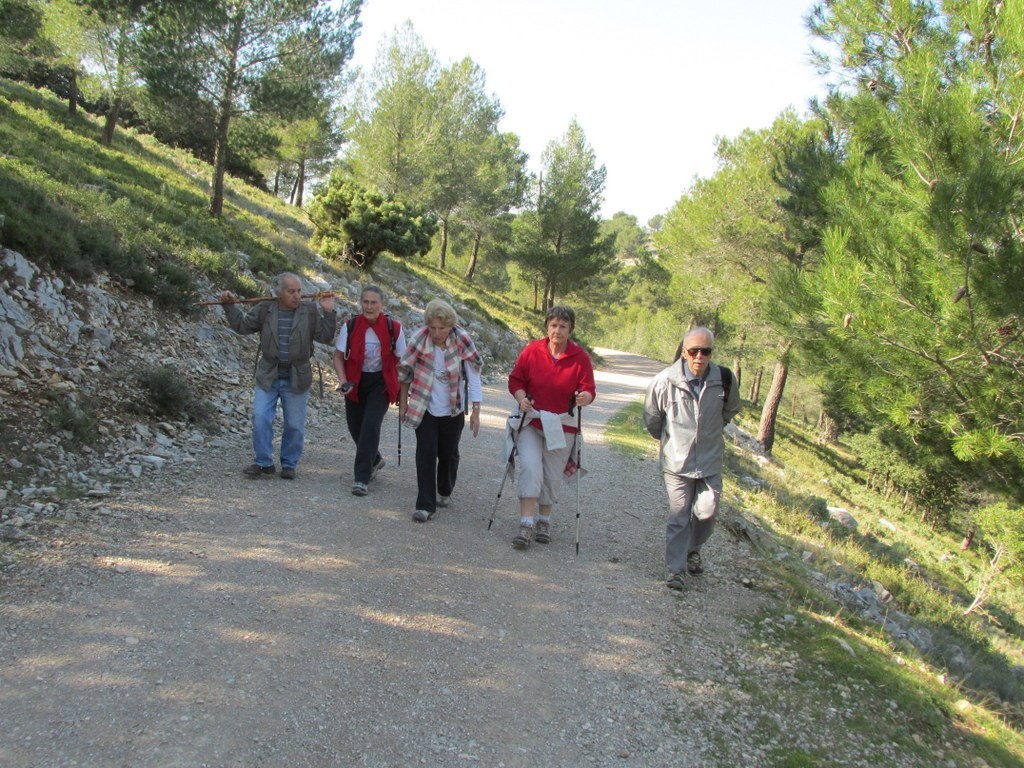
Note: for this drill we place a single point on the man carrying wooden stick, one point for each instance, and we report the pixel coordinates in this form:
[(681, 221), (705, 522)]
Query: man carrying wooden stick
[(287, 327)]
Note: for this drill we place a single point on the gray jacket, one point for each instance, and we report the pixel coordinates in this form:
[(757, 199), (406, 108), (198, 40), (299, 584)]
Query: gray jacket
[(310, 324), (690, 430)]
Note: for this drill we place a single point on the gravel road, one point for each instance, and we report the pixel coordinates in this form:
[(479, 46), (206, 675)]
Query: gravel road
[(211, 620)]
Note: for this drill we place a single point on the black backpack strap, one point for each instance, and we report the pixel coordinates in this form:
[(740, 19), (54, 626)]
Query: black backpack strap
[(726, 382)]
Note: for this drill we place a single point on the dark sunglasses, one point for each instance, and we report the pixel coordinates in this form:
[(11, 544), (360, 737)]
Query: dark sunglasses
[(706, 351)]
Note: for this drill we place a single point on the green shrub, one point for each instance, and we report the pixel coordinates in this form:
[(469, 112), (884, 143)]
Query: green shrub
[(174, 286), (169, 395), (73, 418)]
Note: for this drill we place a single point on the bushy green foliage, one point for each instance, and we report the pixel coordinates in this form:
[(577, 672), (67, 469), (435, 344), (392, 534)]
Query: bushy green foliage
[(356, 225), (73, 417), (918, 477), (165, 393), (914, 316)]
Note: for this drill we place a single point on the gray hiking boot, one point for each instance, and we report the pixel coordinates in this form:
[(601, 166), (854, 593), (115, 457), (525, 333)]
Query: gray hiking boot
[(694, 564), (443, 501), (675, 581), (358, 489), (377, 467), (542, 532), (524, 537), (421, 515)]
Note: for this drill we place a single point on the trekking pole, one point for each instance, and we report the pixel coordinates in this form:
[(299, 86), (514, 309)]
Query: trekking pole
[(399, 440), (510, 465), (579, 459)]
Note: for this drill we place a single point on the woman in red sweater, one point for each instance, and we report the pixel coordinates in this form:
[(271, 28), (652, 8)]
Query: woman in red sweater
[(550, 375)]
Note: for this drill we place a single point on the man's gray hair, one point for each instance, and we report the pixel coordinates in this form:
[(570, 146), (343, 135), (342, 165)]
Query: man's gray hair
[(700, 329), (278, 283)]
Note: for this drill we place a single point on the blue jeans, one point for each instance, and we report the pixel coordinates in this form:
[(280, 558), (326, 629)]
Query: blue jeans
[(264, 408)]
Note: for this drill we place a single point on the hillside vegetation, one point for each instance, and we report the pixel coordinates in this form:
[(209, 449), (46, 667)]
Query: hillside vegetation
[(966, 676)]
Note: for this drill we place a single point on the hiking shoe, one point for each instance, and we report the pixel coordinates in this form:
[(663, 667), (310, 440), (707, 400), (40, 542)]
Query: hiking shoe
[(542, 532), (377, 467), (257, 470), (358, 489), (287, 473), (694, 564), (675, 581), (444, 501), (524, 537), (421, 515)]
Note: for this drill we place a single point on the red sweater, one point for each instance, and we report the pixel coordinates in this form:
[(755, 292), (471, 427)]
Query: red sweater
[(551, 383)]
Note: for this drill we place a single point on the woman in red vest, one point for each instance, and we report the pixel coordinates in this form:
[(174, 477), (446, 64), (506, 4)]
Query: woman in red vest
[(366, 361)]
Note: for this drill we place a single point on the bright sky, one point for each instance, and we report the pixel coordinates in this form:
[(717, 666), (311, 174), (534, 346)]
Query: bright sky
[(651, 82)]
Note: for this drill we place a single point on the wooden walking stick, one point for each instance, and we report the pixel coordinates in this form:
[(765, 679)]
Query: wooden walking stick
[(318, 295)]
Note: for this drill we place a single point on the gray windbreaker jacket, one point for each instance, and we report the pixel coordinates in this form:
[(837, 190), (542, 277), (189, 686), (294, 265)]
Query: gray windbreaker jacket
[(310, 325), (690, 431)]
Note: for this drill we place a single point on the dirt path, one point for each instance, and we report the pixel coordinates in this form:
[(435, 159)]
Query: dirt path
[(212, 620)]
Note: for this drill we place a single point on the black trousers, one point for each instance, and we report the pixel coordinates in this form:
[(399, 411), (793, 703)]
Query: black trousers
[(437, 458), (364, 419)]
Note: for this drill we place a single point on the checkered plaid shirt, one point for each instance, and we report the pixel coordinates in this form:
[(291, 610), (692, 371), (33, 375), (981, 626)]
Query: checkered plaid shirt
[(416, 368)]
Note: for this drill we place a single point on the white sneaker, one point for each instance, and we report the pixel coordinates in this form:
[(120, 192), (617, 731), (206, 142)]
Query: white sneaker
[(421, 515)]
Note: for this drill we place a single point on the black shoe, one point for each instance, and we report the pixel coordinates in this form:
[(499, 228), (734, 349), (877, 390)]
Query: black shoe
[(377, 467), (287, 473), (256, 470), (694, 564)]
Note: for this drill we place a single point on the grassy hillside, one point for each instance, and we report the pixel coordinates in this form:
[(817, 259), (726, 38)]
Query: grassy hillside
[(966, 688), (138, 210)]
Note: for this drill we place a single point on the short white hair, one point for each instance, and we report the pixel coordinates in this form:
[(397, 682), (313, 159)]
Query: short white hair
[(700, 329), (278, 284)]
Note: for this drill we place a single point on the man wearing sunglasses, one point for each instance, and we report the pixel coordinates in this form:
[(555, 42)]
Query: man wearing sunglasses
[(687, 407)]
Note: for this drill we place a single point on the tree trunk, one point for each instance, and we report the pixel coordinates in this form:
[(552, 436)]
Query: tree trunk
[(471, 269), (770, 412), (111, 122), (828, 430), (737, 363), (277, 180), (73, 92), (227, 100), (444, 244), (220, 158), (536, 290), (968, 540), (755, 386), (300, 188)]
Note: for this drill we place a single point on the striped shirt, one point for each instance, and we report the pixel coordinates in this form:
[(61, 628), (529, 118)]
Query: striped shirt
[(285, 320)]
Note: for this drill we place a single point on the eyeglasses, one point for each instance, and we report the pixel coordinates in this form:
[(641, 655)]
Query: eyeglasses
[(706, 351)]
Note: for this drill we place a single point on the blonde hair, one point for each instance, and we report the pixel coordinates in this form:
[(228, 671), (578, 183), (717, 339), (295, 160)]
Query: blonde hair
[(442, 311)]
